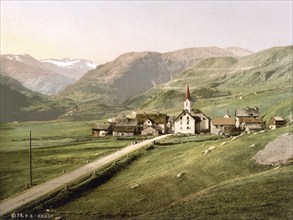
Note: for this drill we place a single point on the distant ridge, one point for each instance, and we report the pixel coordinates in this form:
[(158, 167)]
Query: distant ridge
[(135, 72), (43, 76)]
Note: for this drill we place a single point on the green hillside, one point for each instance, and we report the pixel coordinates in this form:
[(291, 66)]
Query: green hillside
[(21, 104), (223, 184), (268, 72)]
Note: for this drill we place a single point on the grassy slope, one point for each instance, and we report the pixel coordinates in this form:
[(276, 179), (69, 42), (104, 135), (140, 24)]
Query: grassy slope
[(268, 71), (57, 146), (211, 180), (270, 103)]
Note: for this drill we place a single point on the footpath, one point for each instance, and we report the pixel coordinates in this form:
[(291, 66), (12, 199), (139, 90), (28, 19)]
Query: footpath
[(10, 204)]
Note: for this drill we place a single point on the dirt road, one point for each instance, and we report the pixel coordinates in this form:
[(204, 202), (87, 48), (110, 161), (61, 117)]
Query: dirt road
[(10, 204)]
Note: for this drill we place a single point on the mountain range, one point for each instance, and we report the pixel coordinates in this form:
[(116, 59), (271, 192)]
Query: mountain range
[(153, 81), (266, 70), (45, 76), (136, 72)]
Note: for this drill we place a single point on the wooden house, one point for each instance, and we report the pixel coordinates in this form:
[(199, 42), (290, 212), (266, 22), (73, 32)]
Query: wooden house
[(126, 127), (102, 130), (249, 119), (222, 125), (277, 122), (252, 124)]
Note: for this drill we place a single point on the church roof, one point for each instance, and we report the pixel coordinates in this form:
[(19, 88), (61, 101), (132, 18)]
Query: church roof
[(192, 114), (187, 95)]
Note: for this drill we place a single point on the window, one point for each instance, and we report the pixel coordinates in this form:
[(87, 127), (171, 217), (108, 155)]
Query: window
[(181, 122), (180, 128), (188, 127), (188, 122), (187, 117)]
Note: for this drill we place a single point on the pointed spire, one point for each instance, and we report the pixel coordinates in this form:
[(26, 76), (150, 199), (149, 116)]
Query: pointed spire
[(187, 96)]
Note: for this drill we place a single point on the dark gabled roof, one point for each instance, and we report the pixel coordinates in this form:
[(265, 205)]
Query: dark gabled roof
[(104, 127), (189, 113), (223, 121), (278, 118), (157, 118), (127, 122), (247, 112), (124, 128), (252, 120)]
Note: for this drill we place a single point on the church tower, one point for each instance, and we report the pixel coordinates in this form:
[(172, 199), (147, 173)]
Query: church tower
[(187, 100)]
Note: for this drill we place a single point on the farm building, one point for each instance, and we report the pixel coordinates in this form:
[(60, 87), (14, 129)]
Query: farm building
[(223, 125), (102, 130), (249, 119), (277, 122), (252, 124), (126, 127), (156, 121)]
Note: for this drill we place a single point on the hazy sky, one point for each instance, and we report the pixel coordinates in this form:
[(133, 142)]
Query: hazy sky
[(102, 30)]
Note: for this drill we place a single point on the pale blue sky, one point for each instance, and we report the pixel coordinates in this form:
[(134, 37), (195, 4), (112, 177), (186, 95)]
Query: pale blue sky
[(102, 30)]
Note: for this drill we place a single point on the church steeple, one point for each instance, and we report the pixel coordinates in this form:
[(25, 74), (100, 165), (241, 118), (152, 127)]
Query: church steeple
[(187, 96), (187, 100)]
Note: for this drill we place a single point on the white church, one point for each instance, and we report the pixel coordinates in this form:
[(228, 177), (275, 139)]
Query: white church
[(191, 121)]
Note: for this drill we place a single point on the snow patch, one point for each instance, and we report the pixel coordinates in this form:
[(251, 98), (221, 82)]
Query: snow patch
[(61, 63), (92, 65)]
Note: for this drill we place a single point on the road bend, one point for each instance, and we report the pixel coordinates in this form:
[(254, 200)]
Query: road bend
[(10, 204)]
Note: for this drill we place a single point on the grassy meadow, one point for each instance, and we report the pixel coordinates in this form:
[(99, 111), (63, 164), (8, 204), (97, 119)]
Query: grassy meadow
[(57, 147), (223, 184)]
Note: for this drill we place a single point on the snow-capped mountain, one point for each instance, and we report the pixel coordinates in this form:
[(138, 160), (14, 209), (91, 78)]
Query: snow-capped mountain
[(44, 76), (71, 68)]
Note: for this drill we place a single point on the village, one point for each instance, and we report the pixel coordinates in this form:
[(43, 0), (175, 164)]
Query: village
[(190, 122)]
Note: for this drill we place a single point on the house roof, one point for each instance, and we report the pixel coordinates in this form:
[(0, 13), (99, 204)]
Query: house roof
[(278, 118), (187, 95), (102, 127), (223, 121), (125, 128), (157, 118), (252, 120), (127, 122), (247, 112)]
